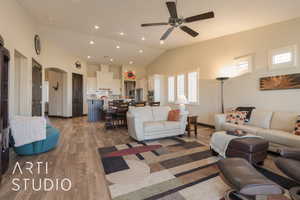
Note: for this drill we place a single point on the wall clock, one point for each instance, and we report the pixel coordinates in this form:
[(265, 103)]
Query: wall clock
[(37, 44)]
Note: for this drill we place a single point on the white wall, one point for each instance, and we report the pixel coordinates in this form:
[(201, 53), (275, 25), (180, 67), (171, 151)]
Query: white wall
[(18, 30), (244, 91), (55, 57), (213, 55)]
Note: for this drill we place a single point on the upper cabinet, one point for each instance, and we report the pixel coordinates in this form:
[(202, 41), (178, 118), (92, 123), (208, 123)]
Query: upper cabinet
[(105, 80)]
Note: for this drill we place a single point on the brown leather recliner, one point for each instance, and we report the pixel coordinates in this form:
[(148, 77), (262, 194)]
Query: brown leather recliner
[(247, 183), (289, 163)]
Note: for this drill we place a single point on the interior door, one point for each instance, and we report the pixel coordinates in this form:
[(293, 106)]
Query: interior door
[(4, 123), (36, 89), (77, 91)]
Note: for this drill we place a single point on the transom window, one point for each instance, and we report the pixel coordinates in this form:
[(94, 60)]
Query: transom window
[(284, 57), (243, 65)]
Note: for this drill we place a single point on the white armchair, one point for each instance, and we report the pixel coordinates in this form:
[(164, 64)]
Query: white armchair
[(147, 123)]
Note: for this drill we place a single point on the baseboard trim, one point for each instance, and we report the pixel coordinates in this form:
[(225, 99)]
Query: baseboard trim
[(56, 116), (206, 125)]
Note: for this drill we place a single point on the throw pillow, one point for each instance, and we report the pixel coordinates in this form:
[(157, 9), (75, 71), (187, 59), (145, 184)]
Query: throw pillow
[(236, 117), (247, 109), (174, 115), (297, 127)]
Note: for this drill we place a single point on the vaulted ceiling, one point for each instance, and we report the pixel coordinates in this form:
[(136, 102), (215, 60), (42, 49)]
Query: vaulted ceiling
[(71, 24)]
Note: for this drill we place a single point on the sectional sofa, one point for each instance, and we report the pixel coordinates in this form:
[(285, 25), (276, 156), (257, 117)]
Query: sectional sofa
[(276, 127)]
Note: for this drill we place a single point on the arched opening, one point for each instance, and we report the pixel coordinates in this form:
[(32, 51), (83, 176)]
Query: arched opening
[(55, 92)]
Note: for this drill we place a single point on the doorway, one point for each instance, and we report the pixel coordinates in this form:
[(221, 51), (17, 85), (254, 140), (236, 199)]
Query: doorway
[(55, 92), (77, 95), (19, 86), (36, 88)]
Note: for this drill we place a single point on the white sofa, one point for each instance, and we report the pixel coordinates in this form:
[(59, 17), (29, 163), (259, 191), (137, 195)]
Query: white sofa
[(146, 123), (276, 127)]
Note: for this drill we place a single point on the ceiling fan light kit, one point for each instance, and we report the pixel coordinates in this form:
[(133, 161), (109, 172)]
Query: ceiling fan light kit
[(175, 21)]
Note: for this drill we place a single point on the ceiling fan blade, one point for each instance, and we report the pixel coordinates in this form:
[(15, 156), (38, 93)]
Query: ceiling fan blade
[(200, 17), (172, 9), (189, 31), (155, 24), (167, 33)]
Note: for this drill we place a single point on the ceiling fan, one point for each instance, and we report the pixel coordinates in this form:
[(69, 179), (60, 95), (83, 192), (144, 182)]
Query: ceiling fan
[(175, 21)]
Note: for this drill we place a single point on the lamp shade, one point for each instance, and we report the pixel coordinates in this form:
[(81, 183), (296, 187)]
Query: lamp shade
[(222, 78), (181, 100)]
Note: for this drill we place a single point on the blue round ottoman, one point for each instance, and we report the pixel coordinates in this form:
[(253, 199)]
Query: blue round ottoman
[(51, 141)]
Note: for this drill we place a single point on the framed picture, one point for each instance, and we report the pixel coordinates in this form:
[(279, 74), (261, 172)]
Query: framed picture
[(281, 82)]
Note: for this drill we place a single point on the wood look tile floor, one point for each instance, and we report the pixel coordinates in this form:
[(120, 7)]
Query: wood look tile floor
[(76, 158)]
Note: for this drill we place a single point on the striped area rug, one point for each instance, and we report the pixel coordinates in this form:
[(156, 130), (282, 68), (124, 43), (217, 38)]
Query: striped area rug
[(167, 169)]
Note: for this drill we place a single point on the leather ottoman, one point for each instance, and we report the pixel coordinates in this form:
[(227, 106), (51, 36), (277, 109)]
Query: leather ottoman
[(254, 150)]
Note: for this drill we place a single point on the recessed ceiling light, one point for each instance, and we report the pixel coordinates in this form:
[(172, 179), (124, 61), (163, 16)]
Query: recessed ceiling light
[(122, 33), (162, 42), (111, 60), (130, 62), (141, 51), (92, 42), (88, 57), (96, 27), (143, 38), (118, 47)]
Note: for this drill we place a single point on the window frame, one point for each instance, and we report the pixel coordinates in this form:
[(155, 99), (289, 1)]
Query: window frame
[(293, 49)]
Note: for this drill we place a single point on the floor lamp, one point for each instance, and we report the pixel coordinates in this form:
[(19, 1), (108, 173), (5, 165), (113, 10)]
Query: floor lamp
[(222, 80)]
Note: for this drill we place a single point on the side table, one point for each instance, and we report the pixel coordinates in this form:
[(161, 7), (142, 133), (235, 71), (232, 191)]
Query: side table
[(191, 125)]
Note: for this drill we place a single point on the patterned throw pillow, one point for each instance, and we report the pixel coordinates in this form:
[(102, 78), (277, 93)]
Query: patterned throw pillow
[(236, 117), (297, 127), (174, 115)]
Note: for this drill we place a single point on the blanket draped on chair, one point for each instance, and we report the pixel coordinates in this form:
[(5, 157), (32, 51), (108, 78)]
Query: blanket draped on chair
[(26, 130)]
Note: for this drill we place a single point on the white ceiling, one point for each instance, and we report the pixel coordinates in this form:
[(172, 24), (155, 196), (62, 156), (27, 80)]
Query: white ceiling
[(70, 23)]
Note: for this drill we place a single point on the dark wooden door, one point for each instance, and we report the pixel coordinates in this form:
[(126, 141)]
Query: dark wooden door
[(4, 124), (77, 91), (36, 89)]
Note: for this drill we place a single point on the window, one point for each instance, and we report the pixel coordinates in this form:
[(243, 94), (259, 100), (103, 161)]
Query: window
[(180, 85), (243, 65), (192, 87), (171, 89), (156, 89), (283, 57)]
